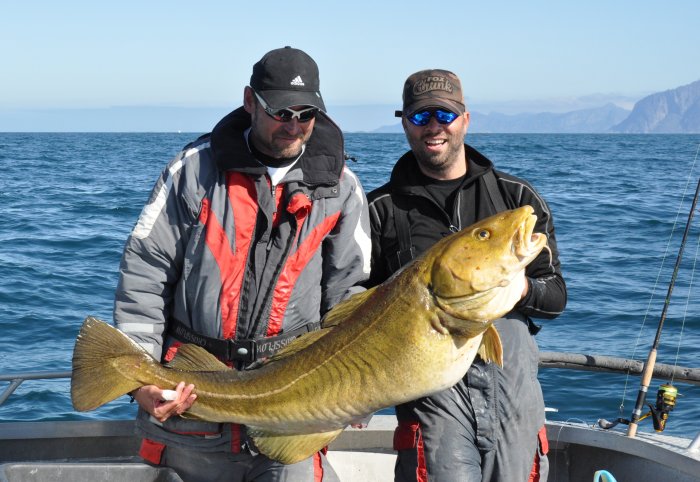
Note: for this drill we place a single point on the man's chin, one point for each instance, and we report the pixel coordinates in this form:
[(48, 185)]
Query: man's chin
[(288, 149), (432, 159)]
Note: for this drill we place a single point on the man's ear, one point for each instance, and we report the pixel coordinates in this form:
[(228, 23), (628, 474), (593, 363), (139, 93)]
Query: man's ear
[(249, 100), (466, 121)]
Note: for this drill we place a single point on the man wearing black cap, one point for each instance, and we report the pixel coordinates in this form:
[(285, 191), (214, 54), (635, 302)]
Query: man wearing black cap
[(251, 234), (490, 426)]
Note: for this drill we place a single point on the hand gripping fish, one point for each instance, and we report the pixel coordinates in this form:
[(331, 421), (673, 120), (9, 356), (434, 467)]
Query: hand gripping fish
[(414, 335)]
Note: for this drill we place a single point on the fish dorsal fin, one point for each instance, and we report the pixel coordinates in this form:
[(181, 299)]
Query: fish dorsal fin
[(491, 349), (193, 358), (345, 308), (289, 449)]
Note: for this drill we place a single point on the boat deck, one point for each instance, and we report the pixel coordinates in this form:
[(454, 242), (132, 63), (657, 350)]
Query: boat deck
[(104, 450)]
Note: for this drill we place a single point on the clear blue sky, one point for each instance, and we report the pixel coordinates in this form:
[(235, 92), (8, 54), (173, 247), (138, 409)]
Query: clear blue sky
[(80, 54)]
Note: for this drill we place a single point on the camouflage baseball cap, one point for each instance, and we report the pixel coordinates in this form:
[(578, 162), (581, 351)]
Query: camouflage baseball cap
[(432, 88)]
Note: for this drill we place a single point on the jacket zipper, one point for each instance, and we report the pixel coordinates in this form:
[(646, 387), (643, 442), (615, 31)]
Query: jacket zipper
[(450, 225), (266, 305)]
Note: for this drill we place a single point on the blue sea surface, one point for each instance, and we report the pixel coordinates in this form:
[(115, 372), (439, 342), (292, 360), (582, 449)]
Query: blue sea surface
[(620, 205)]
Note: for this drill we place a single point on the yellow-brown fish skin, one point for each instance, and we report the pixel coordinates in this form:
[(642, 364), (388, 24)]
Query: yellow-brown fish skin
[(414, 335)]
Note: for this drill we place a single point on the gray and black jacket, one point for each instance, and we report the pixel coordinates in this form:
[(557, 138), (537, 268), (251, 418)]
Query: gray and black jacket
[(229, 256)]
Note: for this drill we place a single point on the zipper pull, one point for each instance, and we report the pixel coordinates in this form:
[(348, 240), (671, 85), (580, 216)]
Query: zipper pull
[(453, 228)]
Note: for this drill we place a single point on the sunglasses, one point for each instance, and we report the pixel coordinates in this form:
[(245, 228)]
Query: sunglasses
[(286, 115), (422, 118)]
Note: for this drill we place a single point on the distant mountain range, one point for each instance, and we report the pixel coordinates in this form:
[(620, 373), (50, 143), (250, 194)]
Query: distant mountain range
[(675, 111), (672, 111)]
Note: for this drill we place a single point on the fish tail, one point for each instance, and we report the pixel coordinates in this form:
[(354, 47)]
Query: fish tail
[(104, 362)]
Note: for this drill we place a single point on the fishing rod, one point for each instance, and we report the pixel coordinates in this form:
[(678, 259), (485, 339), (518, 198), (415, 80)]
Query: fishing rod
[(666, 398)]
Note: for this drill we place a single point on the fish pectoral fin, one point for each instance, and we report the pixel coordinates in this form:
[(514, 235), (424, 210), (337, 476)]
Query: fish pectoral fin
[(342, 311), (491, 349), (193, 358), (290, 448)]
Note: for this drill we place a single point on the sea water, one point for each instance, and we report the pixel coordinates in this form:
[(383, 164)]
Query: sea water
[(620, 204)]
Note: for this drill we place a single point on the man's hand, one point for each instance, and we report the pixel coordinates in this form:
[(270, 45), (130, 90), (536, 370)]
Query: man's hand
[(151, 399), (526, 288), (361, 422), (521, 283)]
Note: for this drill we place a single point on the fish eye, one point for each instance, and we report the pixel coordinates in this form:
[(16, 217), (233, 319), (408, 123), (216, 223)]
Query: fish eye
[(483, 235)]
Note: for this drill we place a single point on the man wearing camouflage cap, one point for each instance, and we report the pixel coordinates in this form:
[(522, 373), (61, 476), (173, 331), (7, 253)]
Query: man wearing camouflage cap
[(490, 425)]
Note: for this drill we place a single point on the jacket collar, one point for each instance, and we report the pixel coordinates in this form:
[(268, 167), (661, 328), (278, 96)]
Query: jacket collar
[(321, 164)]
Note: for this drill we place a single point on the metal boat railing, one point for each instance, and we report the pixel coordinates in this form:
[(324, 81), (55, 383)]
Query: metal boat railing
[(16, 379), (602, 363)]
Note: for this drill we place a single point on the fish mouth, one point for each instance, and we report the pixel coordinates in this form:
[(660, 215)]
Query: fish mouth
[(527, 244)]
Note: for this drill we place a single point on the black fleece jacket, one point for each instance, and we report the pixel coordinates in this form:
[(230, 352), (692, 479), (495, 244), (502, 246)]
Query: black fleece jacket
[(429, 222)]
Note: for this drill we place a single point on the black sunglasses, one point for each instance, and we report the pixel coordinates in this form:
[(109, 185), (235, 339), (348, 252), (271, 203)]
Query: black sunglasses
[(421, 118), (286, 115)]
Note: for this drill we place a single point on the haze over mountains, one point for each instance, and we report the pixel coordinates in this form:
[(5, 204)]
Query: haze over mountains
[(675, 111), (672, 111)]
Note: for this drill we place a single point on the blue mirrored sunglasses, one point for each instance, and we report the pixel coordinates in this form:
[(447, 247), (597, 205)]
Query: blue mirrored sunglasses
[(421, 118), (286, 115)]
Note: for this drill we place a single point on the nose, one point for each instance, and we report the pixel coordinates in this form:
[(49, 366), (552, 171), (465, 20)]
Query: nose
[(433, 125), (293, 126)]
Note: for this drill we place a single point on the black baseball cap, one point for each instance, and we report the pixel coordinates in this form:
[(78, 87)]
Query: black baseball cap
[(432, 88), (286, 77)]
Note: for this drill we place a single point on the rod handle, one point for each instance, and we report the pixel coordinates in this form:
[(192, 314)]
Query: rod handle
[(641, 396)]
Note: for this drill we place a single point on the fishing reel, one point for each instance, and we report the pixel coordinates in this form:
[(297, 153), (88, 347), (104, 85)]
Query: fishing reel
[(665, 403)]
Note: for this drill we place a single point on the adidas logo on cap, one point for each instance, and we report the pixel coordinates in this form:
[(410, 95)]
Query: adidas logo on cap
[(297, 81)]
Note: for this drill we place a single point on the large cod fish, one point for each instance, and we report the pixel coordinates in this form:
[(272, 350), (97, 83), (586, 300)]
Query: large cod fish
[(414, 335)]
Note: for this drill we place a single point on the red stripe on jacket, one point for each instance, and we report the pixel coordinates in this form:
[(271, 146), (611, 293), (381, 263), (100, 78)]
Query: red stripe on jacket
[(243, 200), (299, 206)]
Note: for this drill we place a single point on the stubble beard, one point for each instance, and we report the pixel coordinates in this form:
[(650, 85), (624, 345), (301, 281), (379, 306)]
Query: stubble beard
[(277, 146), (439, 162), (282, 150)]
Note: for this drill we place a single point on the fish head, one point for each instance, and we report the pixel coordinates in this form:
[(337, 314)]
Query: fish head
[(478, 274)]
